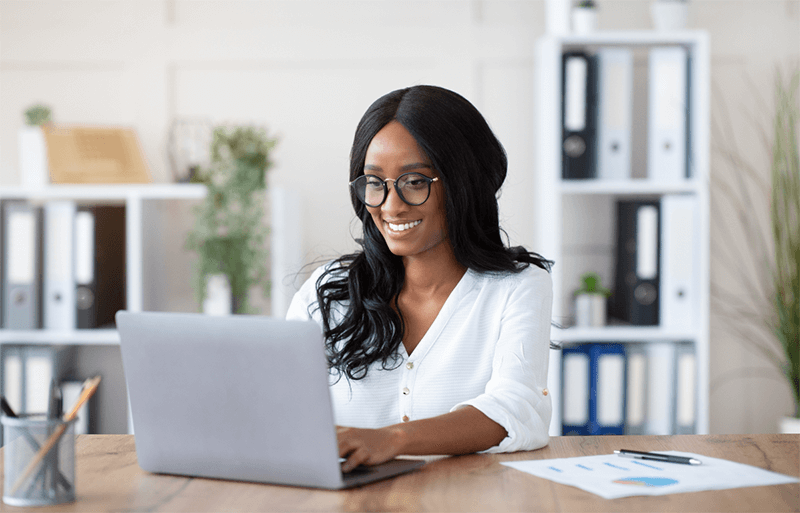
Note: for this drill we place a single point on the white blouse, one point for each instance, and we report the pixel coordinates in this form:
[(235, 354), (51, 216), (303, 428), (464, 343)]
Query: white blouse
[(488, 348)]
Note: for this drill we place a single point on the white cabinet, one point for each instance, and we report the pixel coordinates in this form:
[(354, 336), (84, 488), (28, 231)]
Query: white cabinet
[(576, 218)]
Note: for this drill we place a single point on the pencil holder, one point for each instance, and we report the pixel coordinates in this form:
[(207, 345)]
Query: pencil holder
[(39, 460)]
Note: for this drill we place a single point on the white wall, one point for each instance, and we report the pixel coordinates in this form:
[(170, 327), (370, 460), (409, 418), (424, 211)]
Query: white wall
[(309, 68)]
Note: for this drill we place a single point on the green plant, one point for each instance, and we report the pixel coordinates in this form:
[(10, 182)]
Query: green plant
[(591, 285), (586, 4), (37, 115), (229, 235), (785, 220), (767, 315)]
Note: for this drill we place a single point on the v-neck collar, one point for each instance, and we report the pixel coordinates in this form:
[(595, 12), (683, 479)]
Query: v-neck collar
[(450, 306)]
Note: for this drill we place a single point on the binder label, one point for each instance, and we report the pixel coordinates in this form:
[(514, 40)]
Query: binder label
[(21, 259)]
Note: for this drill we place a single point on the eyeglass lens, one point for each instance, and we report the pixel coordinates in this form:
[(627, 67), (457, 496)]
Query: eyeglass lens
[(413, 188)]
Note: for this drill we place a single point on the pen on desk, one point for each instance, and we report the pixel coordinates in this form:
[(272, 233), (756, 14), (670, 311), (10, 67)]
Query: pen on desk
[(654, 456)]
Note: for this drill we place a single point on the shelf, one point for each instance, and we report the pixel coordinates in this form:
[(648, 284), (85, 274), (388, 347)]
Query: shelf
[(621, 334), (633, 38), (106, 192), (628, 187), (60, 337)]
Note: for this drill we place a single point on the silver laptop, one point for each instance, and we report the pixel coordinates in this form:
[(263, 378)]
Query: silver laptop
[(239, 397)]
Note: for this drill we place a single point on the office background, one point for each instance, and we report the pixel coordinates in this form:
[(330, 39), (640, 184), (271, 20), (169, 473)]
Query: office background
[(307, 69)]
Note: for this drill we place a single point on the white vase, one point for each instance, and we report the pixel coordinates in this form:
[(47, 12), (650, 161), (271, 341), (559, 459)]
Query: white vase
[(219, 300), (789, 425), (584, 20), (590, 310), (33, 157), (669, 15)]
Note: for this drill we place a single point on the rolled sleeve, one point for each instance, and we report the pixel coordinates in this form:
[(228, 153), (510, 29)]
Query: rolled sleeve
[(514, 396)]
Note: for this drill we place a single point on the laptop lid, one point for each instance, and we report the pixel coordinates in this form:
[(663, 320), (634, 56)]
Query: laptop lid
[(239, 397)]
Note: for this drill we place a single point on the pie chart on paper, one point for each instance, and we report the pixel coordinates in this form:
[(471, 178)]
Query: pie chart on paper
[(647, 481)]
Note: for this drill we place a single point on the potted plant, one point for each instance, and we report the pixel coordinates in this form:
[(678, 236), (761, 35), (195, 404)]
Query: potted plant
[(590, 302), (766, 314), (229, 235), (669, 14), (584, 17), (33, 148)]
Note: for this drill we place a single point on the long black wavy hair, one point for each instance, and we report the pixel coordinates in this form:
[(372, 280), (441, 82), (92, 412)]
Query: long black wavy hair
[(357, 294)]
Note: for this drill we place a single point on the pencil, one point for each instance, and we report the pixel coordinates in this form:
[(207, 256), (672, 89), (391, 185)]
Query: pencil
[(89, 388)]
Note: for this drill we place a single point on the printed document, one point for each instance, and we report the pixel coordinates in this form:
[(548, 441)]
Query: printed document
[(611, 476)]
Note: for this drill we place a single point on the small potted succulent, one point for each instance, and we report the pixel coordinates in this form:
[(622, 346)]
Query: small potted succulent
[(590, 302), (584, 17), (33, 148)]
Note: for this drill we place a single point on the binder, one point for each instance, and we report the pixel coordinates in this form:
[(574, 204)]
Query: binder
[(22, 278), (39, 366), (667, 114), (607, 389), (635, 299), (636, 389), (59, 282), (614, 113), (661, 388), (679, 244), (99, 265), (70, 391), (685, 389), (12, 377), (578, 115), (575, 383)]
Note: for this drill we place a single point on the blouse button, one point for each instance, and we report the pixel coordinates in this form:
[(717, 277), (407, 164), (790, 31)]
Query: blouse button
[(405, 418), (410, 365), (545, 391), (406, 391)]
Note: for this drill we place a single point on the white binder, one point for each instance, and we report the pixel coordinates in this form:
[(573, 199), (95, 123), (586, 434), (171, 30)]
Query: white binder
[(636, 390), (38, 375), (679, 305), (59, 280), (685, 389), (660, 388), (21, 283), (667, 114), (610, 389), (12, 379), (615, 111), (575, 389)]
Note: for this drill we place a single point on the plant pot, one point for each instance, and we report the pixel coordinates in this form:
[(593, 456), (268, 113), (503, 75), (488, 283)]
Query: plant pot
[(669, 15), (219, 300), (584, 20), (33, 157), (590, 310), (789, 425)]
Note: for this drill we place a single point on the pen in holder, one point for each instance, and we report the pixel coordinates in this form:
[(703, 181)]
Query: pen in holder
[(52, 479)]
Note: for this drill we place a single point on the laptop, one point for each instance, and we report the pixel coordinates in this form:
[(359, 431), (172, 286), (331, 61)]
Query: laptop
[(240, 397)]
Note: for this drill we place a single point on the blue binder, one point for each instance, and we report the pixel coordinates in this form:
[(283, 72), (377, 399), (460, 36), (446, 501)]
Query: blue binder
[(593, 389)]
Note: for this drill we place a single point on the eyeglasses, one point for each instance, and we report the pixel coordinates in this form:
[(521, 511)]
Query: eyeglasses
[(413, 188)]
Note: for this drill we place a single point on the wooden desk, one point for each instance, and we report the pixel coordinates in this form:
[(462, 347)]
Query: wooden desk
[(109, 479)]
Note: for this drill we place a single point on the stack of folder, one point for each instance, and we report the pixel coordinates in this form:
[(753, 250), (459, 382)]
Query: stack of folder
[(597, 114)]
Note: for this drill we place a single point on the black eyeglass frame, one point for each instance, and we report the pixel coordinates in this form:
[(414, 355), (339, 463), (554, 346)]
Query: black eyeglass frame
[(427, 179)]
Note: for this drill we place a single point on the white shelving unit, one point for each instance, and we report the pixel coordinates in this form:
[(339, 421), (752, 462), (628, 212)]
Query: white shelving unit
[(576, 218), (98, 346)]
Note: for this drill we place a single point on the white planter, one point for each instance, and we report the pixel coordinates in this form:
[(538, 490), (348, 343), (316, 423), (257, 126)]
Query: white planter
[(584, 20), (590, 310), (789, 425), (33, 157), (219, 300), (669, 15)]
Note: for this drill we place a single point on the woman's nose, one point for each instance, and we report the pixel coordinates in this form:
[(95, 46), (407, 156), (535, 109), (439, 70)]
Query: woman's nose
[(393, 202)]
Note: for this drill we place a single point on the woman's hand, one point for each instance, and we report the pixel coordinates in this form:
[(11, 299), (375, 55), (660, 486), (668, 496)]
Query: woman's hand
[(369, 446)]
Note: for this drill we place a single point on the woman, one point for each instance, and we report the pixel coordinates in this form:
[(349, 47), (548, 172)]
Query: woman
[(437, 334)]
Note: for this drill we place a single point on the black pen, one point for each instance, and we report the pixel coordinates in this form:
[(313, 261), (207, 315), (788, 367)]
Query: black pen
[(654, 456)]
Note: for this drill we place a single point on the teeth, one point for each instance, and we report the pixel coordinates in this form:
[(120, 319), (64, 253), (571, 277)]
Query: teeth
[(403, 227)]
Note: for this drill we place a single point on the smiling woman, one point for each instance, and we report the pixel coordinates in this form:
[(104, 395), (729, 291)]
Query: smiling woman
[(440, 331)]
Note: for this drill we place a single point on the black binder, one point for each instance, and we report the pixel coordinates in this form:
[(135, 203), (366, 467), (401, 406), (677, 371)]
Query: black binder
[(636, 295), (578, 115), (99, 298)]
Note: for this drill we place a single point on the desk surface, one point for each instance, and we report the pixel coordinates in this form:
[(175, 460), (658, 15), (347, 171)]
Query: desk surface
[(109, 479)]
